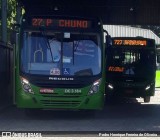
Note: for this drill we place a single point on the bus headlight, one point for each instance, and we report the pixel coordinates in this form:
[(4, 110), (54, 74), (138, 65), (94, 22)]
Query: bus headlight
[(148, 87), (26, 85), (110, 86), (95, 87)]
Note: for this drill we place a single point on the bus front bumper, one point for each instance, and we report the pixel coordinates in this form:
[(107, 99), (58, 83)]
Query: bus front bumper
[(25, 100), (134, 91)]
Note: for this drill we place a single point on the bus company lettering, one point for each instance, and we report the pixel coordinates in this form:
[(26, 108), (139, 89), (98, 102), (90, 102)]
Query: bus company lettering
[(46, 90), (73, 23), (61, 78), (116, 69)]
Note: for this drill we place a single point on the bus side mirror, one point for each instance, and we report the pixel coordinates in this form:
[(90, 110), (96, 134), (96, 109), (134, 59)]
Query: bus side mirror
[(158, 58), (108, 40)]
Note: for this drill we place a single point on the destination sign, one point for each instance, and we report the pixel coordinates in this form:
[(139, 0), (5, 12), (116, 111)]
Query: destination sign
[(64, 23), (130, 42)]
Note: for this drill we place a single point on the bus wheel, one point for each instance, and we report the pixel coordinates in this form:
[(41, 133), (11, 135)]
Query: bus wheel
[(147, 99)]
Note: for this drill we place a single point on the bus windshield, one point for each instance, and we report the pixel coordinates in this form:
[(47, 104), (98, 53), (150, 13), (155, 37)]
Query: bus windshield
[(60, 53), (130, 61)]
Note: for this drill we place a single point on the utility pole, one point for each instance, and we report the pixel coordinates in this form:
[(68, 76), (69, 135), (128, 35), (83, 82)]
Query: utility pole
[(4, 20)]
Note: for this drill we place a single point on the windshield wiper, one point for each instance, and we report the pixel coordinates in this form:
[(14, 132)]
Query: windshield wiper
[(47, 42)]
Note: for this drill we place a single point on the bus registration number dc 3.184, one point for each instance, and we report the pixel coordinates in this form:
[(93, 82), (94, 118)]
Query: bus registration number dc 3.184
[(72, 91)]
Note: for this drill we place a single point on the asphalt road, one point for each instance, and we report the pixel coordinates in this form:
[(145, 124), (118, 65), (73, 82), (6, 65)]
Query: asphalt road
[(125, 115)]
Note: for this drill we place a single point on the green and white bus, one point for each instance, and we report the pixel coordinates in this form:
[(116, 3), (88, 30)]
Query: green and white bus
[(131, 67), (59, 63)]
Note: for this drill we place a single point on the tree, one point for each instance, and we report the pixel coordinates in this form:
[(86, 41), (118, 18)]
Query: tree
[(11, 12)]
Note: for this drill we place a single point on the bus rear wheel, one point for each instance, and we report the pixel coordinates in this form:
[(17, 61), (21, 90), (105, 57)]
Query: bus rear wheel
[(147, 99)]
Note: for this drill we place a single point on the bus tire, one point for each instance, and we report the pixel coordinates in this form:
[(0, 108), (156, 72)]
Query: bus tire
[(147, 99)]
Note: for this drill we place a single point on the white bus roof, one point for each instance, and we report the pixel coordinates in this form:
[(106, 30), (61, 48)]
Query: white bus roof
[(127, 31)]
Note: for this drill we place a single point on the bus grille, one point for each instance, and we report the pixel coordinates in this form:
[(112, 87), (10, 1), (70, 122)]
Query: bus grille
[(65, 95), (125, 84), (65, 100), (60, 103)]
